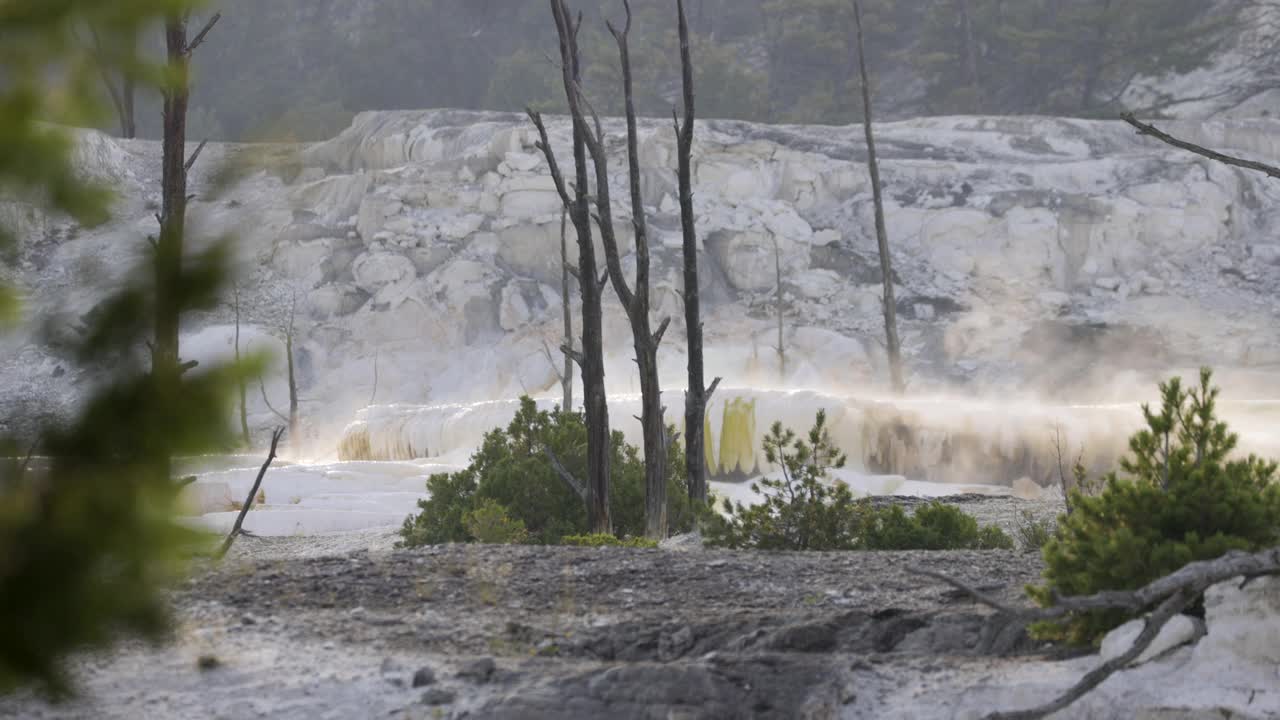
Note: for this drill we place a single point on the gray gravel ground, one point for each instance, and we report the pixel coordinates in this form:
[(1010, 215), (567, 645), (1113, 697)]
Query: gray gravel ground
[(340, 626)]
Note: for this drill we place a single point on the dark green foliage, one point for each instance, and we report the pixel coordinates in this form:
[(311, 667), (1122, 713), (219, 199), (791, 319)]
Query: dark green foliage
[(511, 469), (490, 523), (936, 526), (88, 534), (602, 540), (451, 496), (299, 69), (801, 511), (1045, 56), (1181, 498)]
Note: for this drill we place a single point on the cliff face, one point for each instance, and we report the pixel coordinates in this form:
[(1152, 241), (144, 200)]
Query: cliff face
[(423, 250)]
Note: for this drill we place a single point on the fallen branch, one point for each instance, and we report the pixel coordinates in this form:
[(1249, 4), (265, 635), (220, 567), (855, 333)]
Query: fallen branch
[(253, 493), (1152, 131), (1173, 592), (1171, 606)]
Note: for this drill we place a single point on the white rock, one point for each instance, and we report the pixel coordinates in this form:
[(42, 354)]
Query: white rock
[(822, 238), (514, 313), (374, 271), (1244, 629), (523, 162), (1181, 630), (530, 203), (1108, 283), (818, 284), (1269, 254)]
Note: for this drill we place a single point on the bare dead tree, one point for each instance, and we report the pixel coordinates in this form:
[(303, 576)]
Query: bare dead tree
[(591, 358), (777, 303), (373, 394), (634, 298), (244, 411), (892, 344), (697, 396), (1169, 595), (566, 376), (289, 331), (253, 493), (1151, 131)]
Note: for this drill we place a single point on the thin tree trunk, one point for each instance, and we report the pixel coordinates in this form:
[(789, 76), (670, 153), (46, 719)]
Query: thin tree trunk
[(697, 395), (128, 120), (635, 300), (971, 56), (781, 348), (566, 377), (882, 236), (591, 358), (244, 411), (293, 391)]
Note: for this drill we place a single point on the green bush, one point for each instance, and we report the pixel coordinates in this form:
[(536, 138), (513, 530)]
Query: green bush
[(800, 511), (490, 523), (604, 540), (1180, 500), (511, 469), (936, 526), (1033, 534)]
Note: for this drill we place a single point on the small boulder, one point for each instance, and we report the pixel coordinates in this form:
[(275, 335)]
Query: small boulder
[(424, 676), (438, 696), (478, 671)]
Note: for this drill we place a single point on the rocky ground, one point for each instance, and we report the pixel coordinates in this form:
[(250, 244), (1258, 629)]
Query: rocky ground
[(347, 626)]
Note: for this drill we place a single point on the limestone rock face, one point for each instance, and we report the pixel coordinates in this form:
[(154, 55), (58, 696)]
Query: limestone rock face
[(1028, 252)]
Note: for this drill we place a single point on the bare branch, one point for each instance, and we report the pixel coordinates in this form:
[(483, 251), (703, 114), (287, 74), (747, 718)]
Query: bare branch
[(204, 32), (278, 414), (1151, 130), (1173, 592), (1172, 605), (195, 156), (662, 330), (544, 144), (253, 493), (565, 475), (712, 390), (577, 356)]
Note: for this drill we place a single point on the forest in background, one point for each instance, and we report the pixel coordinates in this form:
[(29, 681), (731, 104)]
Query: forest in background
[(296, 70)]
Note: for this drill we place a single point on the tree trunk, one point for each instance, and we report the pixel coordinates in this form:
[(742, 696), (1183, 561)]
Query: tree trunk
[(566, 377), (293, 390), (882, 236), (781, 348), (244, 411), (173, 209), (591, 358), (697, 395), (635, 300), (128, 121), (971, 56)]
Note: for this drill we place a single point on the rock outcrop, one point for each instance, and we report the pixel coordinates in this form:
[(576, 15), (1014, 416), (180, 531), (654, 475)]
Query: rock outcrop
[(423, 248)]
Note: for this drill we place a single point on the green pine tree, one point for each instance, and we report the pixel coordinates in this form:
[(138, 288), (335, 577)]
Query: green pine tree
[(1182, 497), (88, 532)]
